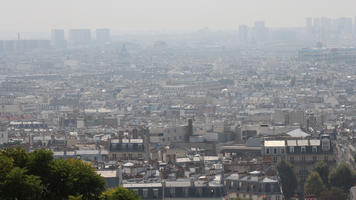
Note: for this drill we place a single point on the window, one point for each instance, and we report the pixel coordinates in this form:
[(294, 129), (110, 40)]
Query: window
[(155, 193), (291, 149), (199, 191), (267, 151), (275, 151), (303, 149), (186, 192), (303, 158), (211, 192), (145, 193), (274, 158), (291, 158), (282, 151), (172, 192), (314, 149)]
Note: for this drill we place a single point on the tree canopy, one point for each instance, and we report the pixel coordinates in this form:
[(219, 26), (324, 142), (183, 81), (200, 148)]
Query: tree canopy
[(37, 175), (288, 178), (341, 177), (120, 193), (332, 194), (327, 184), (314, 184), (323, 170)]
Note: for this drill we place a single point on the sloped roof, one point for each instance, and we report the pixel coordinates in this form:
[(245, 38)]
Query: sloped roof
[(298, 133)]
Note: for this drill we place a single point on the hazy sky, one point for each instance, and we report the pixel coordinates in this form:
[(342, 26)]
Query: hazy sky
[(43, 15)]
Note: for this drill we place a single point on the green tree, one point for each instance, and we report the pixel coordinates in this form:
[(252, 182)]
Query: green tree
[(314, 184), (6, 164), (18, 185), (87, 182), (38, 176), (120, 193), (323, 170), (39, 163), (71, 197), (288, 178), (19, 155), (61, 182), (77, 178), (333, 194), (341, 177)]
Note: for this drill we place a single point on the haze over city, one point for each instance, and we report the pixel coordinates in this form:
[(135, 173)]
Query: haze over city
[(158, 15), (178, 99)]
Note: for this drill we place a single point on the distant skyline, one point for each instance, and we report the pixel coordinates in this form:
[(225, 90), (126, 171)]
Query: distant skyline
[(163, 15)]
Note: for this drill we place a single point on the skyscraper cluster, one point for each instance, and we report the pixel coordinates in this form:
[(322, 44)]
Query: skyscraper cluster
[(258, 34), (79, 37), (326, 29)]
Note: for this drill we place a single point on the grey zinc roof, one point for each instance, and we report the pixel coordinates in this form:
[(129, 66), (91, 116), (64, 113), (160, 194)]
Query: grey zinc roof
[(181, 183), (298, 133), (233, 177), (253, 142)]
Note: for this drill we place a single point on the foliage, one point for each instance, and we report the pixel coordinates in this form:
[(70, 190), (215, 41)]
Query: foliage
[(314, 184), (288, 178), (333, 194), (71, 197), (18, 185), (18, 155), (37, 175), (323, 170), (341, 177), (120, 193)]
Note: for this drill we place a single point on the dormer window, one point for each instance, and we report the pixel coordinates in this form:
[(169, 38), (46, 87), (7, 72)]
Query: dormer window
[(315, 149), (303, 150)]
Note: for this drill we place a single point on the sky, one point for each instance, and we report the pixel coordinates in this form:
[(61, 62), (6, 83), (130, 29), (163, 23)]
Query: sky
[(163, 15)]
